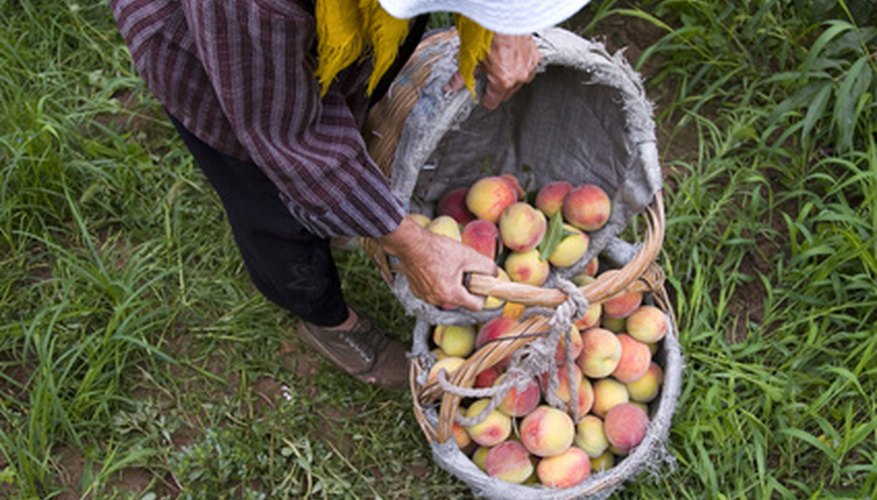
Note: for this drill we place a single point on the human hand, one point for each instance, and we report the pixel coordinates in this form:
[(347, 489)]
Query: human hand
[(511, 62), (435, 264)]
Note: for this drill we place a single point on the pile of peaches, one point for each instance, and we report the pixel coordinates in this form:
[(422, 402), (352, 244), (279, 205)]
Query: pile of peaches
[(525, 439)]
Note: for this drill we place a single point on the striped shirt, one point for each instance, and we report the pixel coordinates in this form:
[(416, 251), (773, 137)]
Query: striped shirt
[(239, 74)]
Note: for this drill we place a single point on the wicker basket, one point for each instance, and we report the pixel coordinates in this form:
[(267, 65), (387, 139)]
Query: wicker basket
[(427, 142), (436, 423)]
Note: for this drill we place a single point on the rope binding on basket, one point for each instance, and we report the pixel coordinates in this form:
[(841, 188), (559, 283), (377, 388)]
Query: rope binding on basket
[(535, 359)]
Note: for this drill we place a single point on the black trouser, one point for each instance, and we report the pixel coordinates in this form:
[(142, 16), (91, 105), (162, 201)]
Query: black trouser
[(287, 263)]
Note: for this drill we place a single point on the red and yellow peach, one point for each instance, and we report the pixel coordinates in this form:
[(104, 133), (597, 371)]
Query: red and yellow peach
[(648, 324), (453, 204), (481, 235), (488, 197), (625, 426), (509, 461), (608, 393), (527, 267), (587, 207), (590, 436), (520, 403), (493, 430), (550, 198), (571, 248), (455, 340), (547, 432), (647, 387), (445, 226), (601, 352), (634, 362), (565, 470), (522, 227)]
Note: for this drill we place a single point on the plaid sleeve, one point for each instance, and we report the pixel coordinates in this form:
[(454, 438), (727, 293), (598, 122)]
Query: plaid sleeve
[(256, 57)]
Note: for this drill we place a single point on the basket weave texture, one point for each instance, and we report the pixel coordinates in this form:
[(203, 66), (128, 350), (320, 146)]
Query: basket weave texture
[(584, 119)]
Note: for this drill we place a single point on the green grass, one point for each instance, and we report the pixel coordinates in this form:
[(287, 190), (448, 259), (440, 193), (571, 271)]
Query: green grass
[(136, 358)]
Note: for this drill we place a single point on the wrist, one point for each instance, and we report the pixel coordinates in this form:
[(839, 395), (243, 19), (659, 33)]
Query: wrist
[(405, 236)]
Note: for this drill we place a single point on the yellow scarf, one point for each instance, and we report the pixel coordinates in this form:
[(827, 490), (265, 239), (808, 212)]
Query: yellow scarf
[(350, 29)]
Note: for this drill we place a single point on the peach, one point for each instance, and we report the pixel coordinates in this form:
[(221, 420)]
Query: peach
[(439, 354), (522, 227), (527, 267), (587, 207), (564, 393), (617, 325), (481, 235), (623, 304), (648, 324), (642, 406), (487, 377), (571, 248), (608, 393), (445, 226), (460, 435), (603, 462), (582, 280), (550, 197), (492, 431), (492, 302), (653, 348), (634, 362), (520, 403), (508, 461), (601, 352), (488, 197), (494, 329), (449, 364), (585, 397), (625, 426), (592, 267), (595, 310), (588, 274), (513, 182), (547, 432), (590, 436), (647, 387), (453, 203), (616, 451), (591, 318), (419, 219), (562, 381), (455, 340), (576, 337), (565, 470), (479, 455)]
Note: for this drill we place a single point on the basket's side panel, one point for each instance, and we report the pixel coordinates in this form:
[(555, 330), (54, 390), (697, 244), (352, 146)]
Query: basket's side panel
[(386, 120)]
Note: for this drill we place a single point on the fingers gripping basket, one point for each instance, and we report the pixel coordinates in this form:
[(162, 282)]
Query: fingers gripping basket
[(583, 119)]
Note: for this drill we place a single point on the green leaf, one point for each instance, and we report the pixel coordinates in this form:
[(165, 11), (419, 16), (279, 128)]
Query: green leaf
[(553, 236), (795, 101), (816, 108), (856, 82), (836, 29)]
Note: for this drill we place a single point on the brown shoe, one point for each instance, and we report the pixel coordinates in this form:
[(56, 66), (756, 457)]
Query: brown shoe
[(364, 352)]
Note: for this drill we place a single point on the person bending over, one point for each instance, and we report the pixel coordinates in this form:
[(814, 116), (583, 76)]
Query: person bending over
[(270, 96)]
